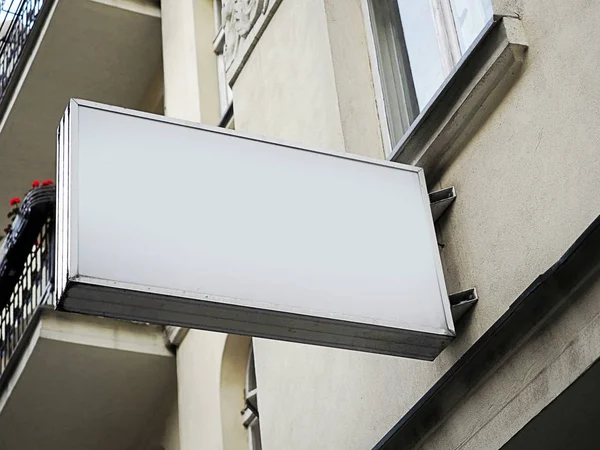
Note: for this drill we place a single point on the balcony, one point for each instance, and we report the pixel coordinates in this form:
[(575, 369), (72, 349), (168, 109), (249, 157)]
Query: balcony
[(26, 268), (83, 382), (101, 50)]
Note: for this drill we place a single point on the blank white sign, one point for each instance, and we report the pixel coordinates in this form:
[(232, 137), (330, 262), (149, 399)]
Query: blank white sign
[(182, 211)]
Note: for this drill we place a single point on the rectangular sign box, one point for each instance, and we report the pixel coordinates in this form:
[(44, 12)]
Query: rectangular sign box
[(170, 222)]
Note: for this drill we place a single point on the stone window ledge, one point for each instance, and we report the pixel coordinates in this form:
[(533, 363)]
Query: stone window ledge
[(465, 100)]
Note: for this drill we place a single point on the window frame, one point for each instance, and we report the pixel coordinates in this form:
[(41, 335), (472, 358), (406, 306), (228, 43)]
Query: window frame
[(386, 134), (448, 43)]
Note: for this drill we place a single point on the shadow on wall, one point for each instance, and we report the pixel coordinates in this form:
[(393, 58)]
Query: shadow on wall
[(233, 376)]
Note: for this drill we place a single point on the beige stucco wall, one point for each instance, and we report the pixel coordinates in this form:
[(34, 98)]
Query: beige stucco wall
[(153, 100), (526, 189), (309, 80), (190, 74), (233, 382), (161, 430), (169, 439), (198, 381), (179, 60), (527, 181), (528, 380), (211, 370), (357, 108), (287, 88)]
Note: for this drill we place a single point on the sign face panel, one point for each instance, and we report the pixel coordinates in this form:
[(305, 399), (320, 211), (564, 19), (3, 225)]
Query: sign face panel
[(175, 223)]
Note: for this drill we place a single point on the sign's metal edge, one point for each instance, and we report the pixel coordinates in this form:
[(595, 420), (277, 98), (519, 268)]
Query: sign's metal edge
[(267, 308), (69, 197), (238, 134), (118, 303)]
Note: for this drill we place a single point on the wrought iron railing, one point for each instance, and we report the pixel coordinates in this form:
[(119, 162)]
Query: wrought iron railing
[(18, 20), (26, 271)]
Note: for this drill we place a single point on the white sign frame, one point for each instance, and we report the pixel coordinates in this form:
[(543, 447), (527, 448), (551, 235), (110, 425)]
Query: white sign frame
[(81, 292)]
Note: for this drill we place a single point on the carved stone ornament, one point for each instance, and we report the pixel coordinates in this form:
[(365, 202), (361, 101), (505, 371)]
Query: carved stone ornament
[(239, 16)]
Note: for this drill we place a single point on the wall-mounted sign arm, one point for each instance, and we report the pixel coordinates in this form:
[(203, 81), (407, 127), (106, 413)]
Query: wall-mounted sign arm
[(441, 200), (462, 302)]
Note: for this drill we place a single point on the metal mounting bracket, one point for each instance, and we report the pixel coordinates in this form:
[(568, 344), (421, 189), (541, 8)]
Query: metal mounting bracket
[(440, 200), (461, 302)]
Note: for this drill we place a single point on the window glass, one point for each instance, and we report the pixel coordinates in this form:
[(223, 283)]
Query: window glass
[(422, 43), (470, 16), (397, 85), (418, 43)]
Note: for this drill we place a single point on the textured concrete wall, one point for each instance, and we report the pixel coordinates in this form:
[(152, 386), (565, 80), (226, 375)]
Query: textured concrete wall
[(527, 185)]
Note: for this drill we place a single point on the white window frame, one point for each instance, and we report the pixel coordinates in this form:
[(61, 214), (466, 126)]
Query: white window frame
[(447, 33), (375, 73), (448, 42)]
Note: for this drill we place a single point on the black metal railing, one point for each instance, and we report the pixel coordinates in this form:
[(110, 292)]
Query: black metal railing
[(26, 271), (18, 20)]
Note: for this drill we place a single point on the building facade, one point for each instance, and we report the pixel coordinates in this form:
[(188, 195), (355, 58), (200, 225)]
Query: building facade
[(499, 99)]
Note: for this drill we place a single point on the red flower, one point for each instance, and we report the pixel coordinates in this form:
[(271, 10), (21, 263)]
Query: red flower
[(14, 201), (47, 183), (35, 184)]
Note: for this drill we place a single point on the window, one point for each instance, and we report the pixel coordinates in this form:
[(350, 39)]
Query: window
[(250, 418), (225, 93), (418, 43)]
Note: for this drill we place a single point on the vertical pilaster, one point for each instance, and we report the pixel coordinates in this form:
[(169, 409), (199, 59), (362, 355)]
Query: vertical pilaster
[(190, 73)]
